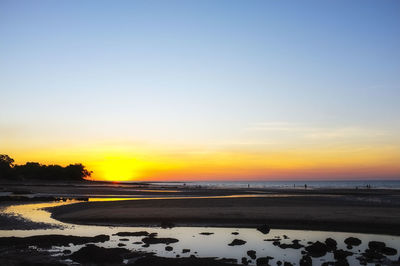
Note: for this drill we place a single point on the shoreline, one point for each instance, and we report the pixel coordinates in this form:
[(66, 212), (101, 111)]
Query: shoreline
[(308, 212), (345, 210)]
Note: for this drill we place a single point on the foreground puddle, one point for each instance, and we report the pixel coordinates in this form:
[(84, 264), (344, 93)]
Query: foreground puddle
[(279, 245)]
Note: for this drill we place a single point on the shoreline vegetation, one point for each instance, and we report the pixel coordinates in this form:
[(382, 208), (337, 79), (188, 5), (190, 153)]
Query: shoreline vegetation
[(31, 171)]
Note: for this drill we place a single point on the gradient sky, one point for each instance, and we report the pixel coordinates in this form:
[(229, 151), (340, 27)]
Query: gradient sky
[(203, 90)]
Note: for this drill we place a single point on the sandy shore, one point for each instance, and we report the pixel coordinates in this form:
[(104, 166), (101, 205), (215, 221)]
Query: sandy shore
[(351, 211)]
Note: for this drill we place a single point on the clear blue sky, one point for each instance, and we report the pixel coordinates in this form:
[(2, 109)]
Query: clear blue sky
[(197, 71)]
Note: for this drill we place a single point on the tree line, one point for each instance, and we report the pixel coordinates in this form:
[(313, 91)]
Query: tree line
[(34, 170)]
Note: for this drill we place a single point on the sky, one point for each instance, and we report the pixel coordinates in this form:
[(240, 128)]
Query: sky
[(203, 90)]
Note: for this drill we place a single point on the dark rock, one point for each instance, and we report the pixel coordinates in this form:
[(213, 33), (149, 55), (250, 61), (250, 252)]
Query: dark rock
[(166, 224), (235, 233), (140, 233), (245, 261), (286, 263), (124, 239), (153, 234), (371, 255), (295, 245), (376, 245), (388, 251), (154, 240), (206, 233), (146, 245), (263, 260), (227, 260), (121, 245), (341, 254), (252, 254), (276, 243), (237, 242), (185, 250), (137, 243), (67, 251), (264, 229), (279, 263), (306, 261), (192, 261), (285, 237), (95, 254), (317, 249), (352, 241), (46, 241), (331, 244), (273, 239), (169, 248)]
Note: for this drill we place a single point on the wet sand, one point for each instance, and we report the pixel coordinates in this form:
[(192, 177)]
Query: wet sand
[(358, 211), (348, 210)]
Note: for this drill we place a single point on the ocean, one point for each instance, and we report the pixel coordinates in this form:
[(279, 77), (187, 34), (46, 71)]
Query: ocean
[(377, 184)]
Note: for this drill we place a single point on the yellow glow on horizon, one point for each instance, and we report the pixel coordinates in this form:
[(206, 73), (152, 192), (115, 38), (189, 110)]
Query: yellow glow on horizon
[(149, 163)]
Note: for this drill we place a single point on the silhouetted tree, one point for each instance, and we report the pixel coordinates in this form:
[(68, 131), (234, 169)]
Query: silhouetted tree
[(6, 164), (33, 170)]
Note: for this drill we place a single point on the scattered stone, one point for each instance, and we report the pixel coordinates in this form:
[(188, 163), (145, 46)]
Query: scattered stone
[(252, 254), (140, 233), (153, 234), (47, 241), (371, 255), (388, 251), (376, 245), (185, 250), (166, 224), (245, 261), (137, 243), (95, 254), (286, 263), (295, 245), (228, 260), (154, 240), (235, 233), (263, 260), (279, 263), (192, 261), (341, 254), (237, 242), (352, 241), (285, 237), (273, 239), (306, 261), (169, 248), (331, 244), (264, 229), (206, 233), (317, 249)]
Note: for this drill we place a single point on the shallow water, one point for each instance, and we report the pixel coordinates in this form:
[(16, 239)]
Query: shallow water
[(215, 245)]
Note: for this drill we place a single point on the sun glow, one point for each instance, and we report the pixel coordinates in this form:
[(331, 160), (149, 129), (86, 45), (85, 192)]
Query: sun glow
[(118, 169)]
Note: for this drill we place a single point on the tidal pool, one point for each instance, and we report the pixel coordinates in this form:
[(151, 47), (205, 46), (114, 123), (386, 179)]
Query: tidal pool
[(191, 238)]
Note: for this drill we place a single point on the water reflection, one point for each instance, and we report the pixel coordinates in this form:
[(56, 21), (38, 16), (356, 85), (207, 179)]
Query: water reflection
[(201, 245)]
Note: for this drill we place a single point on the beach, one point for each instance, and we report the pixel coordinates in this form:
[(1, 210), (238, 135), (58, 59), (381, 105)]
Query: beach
[(147, 224)]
